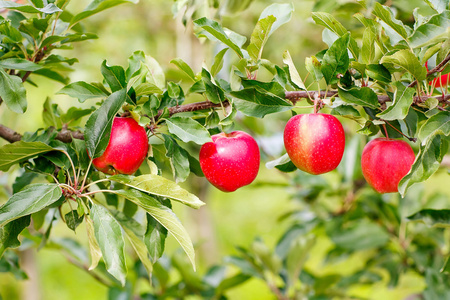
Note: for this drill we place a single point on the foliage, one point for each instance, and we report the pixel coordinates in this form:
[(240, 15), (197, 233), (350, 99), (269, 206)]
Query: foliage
[(373, 74)]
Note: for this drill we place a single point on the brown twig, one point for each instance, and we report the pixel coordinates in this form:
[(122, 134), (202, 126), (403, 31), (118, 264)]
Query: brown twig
[(66, 135), (382, 99), (192, 107), (438, 68)]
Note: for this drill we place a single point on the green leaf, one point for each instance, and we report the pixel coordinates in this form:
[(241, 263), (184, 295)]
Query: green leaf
[(348, 111), (132, 230), (69, 38), (183, 66), (159, 186), (31, 199), (164, 216), (95, 7), (364, 96), (82, 91), (258, 102), (94, 248), (214, 93), (13, 92), (403, 98), (19, 64), (282, 13), (426, 164), (99, 124), (75, 113), (147, 88), (48, 9), (438, 5), (179, 158), (155, 73), (108, 234), (10, 232), (406, 60), (114, 76), (259, 37), (387, 16), (73, 220), (218, 62), (432, 217), (188, 130), (297, 256), (437, 25), (295, 76), (378, 72), (51, 114), (360, 235), (336, 60), (330, 22), (11, 154), (282, 163), (155, 238), (437, 124), (314, 67), (368, 46), (214, 28)]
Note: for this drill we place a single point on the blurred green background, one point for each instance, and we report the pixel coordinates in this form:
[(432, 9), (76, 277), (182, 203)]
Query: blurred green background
[(228, 220)]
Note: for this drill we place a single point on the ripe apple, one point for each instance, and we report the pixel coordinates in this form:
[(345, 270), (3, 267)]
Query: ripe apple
[(385, 162), (230, 161), (314, 142), (127, 148)]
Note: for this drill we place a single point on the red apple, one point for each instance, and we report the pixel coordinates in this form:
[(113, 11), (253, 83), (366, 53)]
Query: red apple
[(314, 142), (230, 161), (385, 162), (127, 148)]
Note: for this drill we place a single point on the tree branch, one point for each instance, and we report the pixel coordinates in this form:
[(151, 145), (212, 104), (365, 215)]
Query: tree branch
[(66, 135), (382, 99), (192, 107)]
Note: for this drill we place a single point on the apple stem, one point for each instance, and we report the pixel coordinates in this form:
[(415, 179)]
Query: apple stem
[(385, 130), (95, 192), (95, 182), (75, 178), (85, 175), (393, 127)]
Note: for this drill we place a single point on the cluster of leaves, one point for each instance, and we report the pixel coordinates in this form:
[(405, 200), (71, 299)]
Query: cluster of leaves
[(377, 79)]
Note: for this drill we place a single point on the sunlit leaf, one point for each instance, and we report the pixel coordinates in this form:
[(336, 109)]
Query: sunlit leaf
[(216, 30), (99, 124), (426, 164), (13, 92), (82, 91), (164, 216), (17, 152), (108, 234), (406, 60), (31, 199), (403, 98), (188, 130), (336, 60), (159, 186), (437, 124), (259, 37)]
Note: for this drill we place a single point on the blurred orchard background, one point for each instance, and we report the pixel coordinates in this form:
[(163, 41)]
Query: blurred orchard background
[(262, 211)]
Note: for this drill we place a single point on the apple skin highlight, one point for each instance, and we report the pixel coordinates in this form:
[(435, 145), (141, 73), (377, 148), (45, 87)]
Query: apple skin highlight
[(127, 148), (314, 142), (385, 162), (230, 161)]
